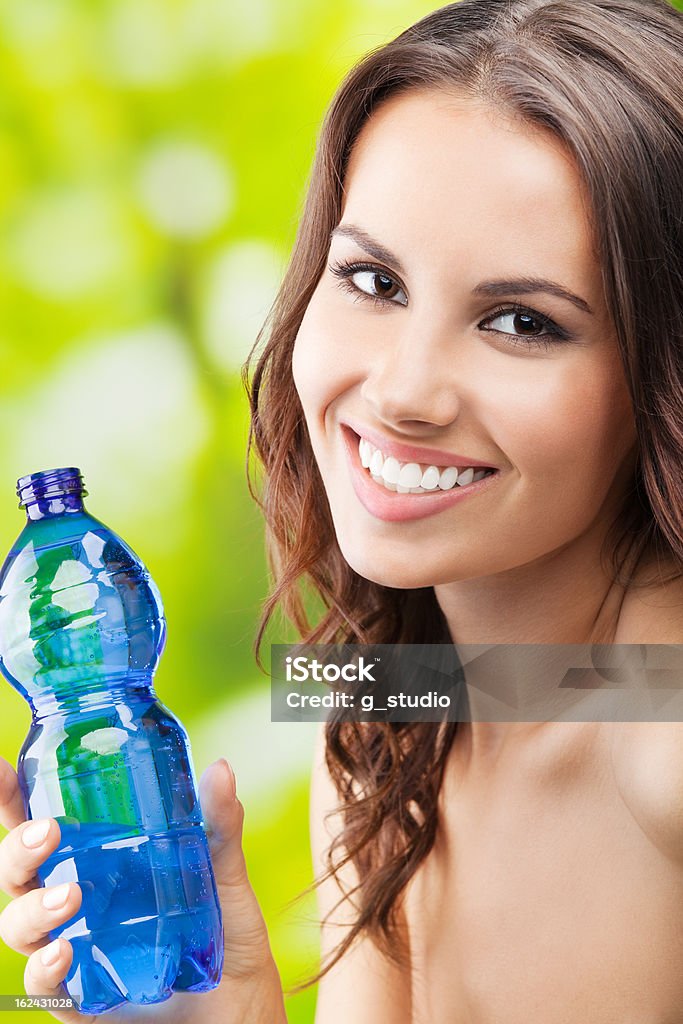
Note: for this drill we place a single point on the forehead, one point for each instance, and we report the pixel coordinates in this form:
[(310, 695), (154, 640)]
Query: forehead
[(446, 175)]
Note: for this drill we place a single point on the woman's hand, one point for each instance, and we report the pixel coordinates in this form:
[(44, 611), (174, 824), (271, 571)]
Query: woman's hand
[(249, 991)]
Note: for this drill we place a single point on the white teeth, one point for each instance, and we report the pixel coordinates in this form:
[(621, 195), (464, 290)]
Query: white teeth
[(390, 470), (376, 463), (410, 477), (430, 478), (448, 478)]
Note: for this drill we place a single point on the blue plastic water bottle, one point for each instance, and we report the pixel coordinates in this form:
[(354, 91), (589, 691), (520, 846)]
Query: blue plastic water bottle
[(81, 631)]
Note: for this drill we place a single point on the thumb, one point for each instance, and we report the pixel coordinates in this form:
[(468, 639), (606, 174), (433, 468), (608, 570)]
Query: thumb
[(223, 818), (245, 934)]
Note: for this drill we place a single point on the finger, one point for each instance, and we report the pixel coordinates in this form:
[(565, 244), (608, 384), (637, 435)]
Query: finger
[(26, 922), (22, 851), (45, 979), (12, 811)]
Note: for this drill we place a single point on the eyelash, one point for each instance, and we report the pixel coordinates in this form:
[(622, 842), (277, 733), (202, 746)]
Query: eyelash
[(344, 271)]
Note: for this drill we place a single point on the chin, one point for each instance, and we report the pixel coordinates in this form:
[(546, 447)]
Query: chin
[(398, 572)]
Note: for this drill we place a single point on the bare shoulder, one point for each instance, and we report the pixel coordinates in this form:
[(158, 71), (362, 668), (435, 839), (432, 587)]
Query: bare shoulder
[(363, 987)]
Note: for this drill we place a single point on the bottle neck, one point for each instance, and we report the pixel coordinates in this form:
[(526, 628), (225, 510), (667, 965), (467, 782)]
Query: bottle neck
[(51, 492)]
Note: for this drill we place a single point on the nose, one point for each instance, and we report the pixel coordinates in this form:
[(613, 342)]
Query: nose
[(413, 379)]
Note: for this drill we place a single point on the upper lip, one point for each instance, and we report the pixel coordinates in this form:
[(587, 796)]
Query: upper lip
[(415, 453)]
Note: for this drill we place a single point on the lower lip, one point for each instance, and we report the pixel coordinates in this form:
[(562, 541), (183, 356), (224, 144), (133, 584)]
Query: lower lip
[(394, 507)]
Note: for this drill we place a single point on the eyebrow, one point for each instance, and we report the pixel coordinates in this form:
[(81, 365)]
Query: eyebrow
[(369, 244), (520, 285)]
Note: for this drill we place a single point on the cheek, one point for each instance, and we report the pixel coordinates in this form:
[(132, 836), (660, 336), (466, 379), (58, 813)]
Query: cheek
[(575, 429), (323, 364)]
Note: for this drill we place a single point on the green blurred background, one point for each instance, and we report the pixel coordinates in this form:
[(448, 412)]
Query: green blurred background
[(153, 160)]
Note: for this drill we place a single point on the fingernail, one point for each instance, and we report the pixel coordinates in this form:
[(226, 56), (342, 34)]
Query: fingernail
[(56, 897), (49, 954), (35, 834), (232, 785)]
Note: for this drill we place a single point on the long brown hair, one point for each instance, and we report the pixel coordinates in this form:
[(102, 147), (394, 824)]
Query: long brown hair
[(606, 78)]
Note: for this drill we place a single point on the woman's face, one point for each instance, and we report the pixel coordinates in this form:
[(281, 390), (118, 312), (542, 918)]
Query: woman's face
[(459, 325)]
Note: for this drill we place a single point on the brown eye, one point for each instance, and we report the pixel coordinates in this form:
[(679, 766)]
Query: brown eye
[(367, 282), (523, 324), (377, 285), (515, 322), (384, 286)]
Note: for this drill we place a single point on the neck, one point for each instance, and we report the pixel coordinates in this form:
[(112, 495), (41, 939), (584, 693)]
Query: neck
[(564, 598)]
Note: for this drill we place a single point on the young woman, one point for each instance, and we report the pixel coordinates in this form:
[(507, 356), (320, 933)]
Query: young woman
[(469, 411)]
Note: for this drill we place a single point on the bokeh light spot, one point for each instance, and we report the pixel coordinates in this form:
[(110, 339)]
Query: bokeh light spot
[(70, 242), (240, 288), (127, 410), (185, 189)]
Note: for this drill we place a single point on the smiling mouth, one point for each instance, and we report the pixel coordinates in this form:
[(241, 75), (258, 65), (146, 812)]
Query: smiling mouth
[(415, 477)]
